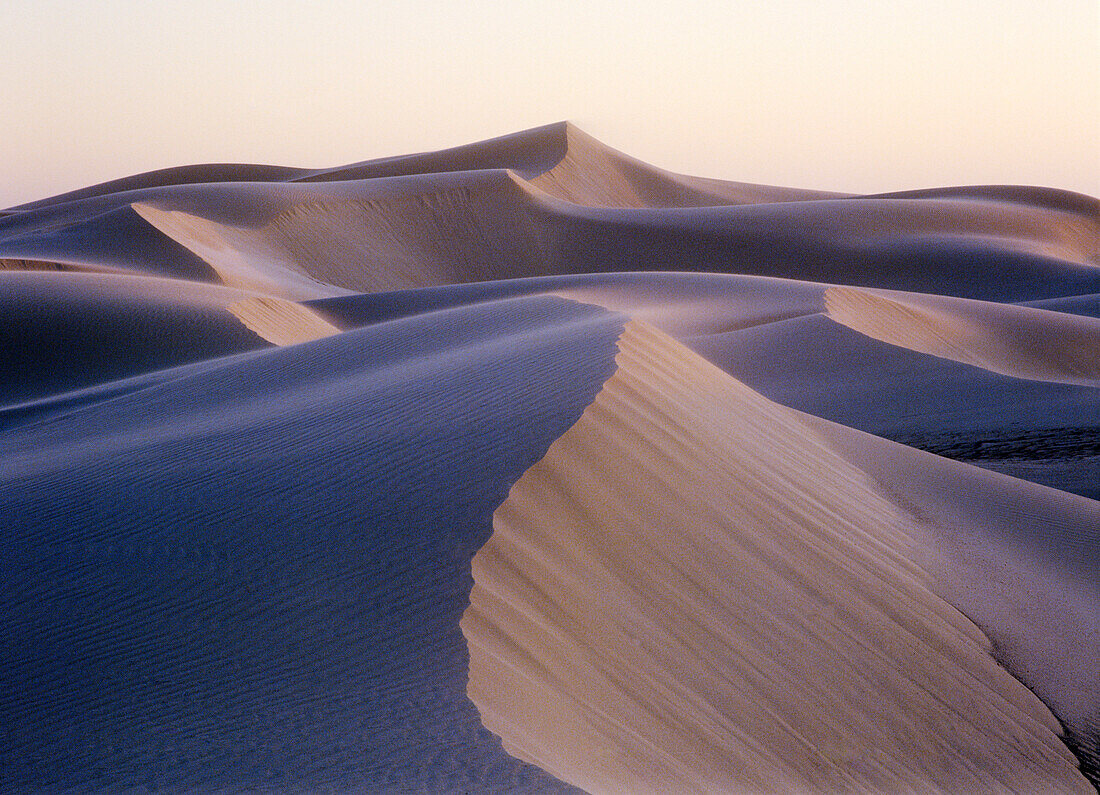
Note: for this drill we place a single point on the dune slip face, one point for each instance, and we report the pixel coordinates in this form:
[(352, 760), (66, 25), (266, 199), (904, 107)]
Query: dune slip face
[(256, 422), (1018, 341), (693, 592)]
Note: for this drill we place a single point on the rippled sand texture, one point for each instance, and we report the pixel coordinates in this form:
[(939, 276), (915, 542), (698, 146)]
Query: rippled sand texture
[(693, 592), (527, 466)]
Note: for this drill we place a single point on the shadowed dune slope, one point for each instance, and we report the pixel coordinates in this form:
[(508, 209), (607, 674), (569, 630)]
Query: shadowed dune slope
[(824, 368), (109, 239), (248, 573), (679, 303), (692, 591), (64, 331), (1052, 198), (1087, 305), (1046, 432)]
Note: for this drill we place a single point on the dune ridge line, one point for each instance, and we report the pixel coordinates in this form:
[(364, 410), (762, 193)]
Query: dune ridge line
[(1023, 342), (693, 591)]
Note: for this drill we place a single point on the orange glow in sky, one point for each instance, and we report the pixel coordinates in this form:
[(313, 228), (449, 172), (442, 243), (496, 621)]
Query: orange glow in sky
[(859, 96)]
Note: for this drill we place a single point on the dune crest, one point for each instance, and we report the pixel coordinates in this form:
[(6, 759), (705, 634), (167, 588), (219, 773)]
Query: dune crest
[(13, 264), (566, 163), (693, 591), (1018, 341), (402, 233), (592, 174), (240, 259)]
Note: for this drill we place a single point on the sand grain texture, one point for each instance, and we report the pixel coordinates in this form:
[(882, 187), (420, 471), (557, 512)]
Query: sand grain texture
[(708, 597)]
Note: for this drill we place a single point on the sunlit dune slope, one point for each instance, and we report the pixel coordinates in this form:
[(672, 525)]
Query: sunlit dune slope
[(692, 591), (1021, 560), (384, 235), (1017, 341), (282, 322)]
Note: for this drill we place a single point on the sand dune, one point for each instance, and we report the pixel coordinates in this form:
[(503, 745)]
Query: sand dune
[(1052, 198), (1017, 341), (708, 598), (565, 162), (63, 331), (248, 572), (1087, 305), (401, 234), (592, 174), (554, 201), (282, 322), (38, 265), (1020, 560), (404, 232), (180, 175), (256, 423)]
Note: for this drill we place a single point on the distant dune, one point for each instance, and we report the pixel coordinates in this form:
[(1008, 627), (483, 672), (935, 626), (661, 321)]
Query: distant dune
[(528, 466)]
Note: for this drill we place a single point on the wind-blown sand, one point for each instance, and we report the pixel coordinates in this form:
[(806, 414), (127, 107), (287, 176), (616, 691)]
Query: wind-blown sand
[(527, 465), (709, 598)]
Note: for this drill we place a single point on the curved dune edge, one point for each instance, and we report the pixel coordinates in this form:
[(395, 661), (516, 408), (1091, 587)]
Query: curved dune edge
[(592, 174), (399, 234), (281, 322), (240, 257), (35, 265), (692, 591), (1017, 341)]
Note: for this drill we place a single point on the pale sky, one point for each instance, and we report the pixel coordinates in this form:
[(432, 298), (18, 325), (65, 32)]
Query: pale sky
[(853, 95)]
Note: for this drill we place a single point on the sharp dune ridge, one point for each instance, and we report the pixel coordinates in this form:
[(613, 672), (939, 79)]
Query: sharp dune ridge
[(304, 464), (1017, 341), (683, 506), (407, 234)]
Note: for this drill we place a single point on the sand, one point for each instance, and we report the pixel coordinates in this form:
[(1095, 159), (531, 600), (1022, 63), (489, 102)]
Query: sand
[(526, 465), (281, 322), (709, 598)]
